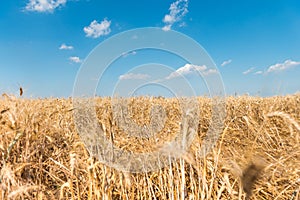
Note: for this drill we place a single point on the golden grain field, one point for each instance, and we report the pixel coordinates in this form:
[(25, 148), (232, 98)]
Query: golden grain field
[(256, 157)]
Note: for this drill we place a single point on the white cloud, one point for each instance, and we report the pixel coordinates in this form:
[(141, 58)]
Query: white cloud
[(282, 66), (44, 5), (66, 47), (75, 59), (210, 71), (259, 72), (190, 69), (167, 27), (169, 19), (125, 54), (248, 70), (226, 62), (178, 10), (185, 70), (96, 29), (132, 76)]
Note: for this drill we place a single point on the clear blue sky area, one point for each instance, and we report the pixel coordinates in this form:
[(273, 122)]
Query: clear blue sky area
[(255, 44)]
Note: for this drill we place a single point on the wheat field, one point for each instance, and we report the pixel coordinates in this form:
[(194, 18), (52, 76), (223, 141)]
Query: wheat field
[(256, 157)]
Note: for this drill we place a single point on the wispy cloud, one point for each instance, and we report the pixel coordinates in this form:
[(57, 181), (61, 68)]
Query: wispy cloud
[(282, 66), (66, 47), (44, 5), (258, 72), (278, 67), (131, 53), (167, 27), (132, 76), (210, 71), (191, 69), (226, 62), (178, 10), (96, 29), (248, 70), (75, 59)]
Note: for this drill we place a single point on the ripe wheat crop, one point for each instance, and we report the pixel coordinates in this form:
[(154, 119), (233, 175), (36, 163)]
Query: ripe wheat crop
[(256, 157)]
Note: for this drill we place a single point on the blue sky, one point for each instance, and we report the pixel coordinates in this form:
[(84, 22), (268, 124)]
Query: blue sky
[(255, 44)]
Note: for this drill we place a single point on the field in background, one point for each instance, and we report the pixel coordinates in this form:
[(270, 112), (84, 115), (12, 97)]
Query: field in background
[(42, 156)]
